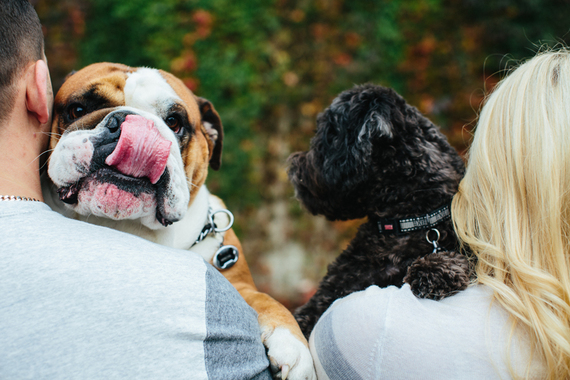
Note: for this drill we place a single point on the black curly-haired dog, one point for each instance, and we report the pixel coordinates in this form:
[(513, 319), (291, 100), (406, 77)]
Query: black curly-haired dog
[(376, 156)]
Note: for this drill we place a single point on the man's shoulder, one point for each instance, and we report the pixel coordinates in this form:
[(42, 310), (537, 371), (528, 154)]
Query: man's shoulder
[(40, 221), (35, 232)]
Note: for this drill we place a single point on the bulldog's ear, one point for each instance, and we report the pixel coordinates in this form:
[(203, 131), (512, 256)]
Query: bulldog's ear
[(69, 74), (214, 130)]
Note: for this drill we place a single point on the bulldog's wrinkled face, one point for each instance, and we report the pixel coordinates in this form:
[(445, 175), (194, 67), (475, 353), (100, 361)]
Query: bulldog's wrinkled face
[(131, 143)]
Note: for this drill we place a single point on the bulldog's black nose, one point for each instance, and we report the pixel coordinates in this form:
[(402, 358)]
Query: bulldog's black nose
[(108, 139), (114, 125)]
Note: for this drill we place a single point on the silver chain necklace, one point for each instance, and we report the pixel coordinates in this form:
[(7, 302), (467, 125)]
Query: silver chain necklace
[(17, 198)]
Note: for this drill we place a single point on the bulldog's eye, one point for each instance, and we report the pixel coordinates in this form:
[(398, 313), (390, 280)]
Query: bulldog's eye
[(174, 122), (75, 111)]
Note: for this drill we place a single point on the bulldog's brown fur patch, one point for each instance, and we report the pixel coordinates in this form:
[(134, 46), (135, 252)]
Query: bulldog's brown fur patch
[(106, 80)]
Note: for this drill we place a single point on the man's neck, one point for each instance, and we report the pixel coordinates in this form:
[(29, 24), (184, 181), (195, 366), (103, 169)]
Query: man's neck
[(19, 159), (19, 175)]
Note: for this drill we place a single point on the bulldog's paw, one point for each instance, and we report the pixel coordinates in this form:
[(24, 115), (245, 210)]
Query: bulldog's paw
[(290, 358)]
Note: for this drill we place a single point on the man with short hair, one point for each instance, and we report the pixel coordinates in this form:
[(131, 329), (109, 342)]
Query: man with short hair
[(85, 302)]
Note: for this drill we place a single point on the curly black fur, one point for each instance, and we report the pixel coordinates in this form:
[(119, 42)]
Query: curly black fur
[(376, 156)]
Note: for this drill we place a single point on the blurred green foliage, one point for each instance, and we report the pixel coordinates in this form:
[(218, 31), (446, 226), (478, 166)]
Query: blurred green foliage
[(270, 66), (249, 57)]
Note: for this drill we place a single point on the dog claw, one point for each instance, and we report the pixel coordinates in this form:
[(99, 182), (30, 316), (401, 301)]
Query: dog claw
[(284, 372)]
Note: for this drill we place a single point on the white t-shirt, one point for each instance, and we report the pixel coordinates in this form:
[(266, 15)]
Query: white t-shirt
[(390, 334)]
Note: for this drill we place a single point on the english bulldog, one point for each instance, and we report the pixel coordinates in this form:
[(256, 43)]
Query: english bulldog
[(130, 150)]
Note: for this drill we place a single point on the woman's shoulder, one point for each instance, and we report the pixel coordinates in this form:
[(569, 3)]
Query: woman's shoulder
[(378, 309), (381, 302), (390, 331)]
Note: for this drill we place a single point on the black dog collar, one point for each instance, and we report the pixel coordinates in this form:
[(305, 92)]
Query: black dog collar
[(400, 226)]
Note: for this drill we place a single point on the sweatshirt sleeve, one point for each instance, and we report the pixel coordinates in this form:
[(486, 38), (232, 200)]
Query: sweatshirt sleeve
[(232, 347), (346, 343)]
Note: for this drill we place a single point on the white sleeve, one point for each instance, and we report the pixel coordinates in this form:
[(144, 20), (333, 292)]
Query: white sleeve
[(347, 339)]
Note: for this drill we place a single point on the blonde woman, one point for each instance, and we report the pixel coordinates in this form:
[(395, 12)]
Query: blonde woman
[(513, 212), (513, 206)]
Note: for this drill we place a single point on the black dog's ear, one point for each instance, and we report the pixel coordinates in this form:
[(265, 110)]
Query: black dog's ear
[(376, 125), (347, 132), (213, 126), (373, 126)]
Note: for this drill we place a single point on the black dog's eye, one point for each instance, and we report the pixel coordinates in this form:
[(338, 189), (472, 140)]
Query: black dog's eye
[(75, 111), (173, 121)]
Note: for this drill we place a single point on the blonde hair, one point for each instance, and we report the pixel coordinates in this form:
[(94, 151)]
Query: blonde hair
[(513, 206)]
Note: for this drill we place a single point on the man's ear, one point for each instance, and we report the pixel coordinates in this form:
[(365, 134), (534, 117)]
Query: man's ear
[(37, 92), (213, 126)]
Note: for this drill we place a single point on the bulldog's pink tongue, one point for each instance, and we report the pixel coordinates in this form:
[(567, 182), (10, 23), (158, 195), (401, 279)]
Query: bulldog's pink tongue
[(141, 150)]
